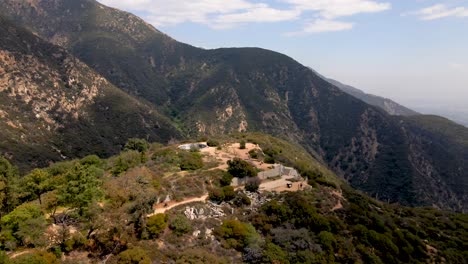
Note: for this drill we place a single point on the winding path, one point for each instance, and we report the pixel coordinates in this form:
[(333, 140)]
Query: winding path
[(160, 209)]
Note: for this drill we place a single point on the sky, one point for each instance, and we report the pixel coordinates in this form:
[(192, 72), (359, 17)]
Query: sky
[(412, 51)]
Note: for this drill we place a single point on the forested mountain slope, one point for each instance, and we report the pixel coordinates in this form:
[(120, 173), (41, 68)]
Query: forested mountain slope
[(250, 89), (54, 107), (94, 210)]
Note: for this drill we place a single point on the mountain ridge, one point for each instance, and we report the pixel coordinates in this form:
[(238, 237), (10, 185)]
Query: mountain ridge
[(222, 91), (49, 97)]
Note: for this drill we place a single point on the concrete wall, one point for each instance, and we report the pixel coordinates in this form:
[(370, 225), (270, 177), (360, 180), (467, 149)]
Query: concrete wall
[(278, 171)]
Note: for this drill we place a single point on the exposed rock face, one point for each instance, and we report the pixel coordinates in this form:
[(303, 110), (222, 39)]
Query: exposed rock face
[(53, 105)]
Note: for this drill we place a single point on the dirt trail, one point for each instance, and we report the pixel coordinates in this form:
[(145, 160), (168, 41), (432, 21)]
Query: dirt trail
[(20, 253), (160, 208), (228, 152)]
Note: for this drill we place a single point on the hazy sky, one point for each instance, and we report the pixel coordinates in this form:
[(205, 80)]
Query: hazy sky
[(413, 51)]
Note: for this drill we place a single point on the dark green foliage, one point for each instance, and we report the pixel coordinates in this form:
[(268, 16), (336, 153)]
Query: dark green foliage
[(36, 183), (81, 188), (253, 154), (24, 226), (229, 193), (242, 144), (242, 199), (92, 160), (216, 195), (165, 156), (252, 185), (241, 168), (137, 144), (226, 180), (8, 186), (237, 235), (157, 224), (212, 143), (180, 225), (223, 194), (134, 256), (125, 161), (190, 160)]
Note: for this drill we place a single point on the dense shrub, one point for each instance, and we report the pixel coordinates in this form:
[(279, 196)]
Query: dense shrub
[(216, 195), (190, 161), (134, 256), (156, 224), (241, 168), (226, 180), (242, 145), (180, 225), (137, 144), (212, 143), (125, 161), (253, 154), (253, 185), (241, 199), (229, 193), (236, 234)]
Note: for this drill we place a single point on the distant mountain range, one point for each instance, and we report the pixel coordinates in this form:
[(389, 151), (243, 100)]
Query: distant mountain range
[(388, 105), (96, 76)]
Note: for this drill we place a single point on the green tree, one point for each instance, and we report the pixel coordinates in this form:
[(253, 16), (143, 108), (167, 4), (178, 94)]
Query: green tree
[(229, 193), (82, 187), (180, 225), (327, 240), (137, 144), (216, 195), (274, 254), (212, 143), (125, 161), (25, 224), (242, 144), (241, 168), (156, 224), (226, 179), (37, 183), (237, 235), (91, 160), (134, 256), (8, 186)]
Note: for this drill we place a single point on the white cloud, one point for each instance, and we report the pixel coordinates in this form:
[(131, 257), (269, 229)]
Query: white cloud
[(322, 25), (214, 13), (326, 13), (330, 9), (439, 11), (221, 14)]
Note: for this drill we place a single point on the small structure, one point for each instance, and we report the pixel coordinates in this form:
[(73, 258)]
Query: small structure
[(278, 170), (193, 146)]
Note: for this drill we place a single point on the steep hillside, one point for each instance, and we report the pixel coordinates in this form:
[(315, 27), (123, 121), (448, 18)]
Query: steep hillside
[(53, 106), (388, 105), (231, 90), (159, 204)]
